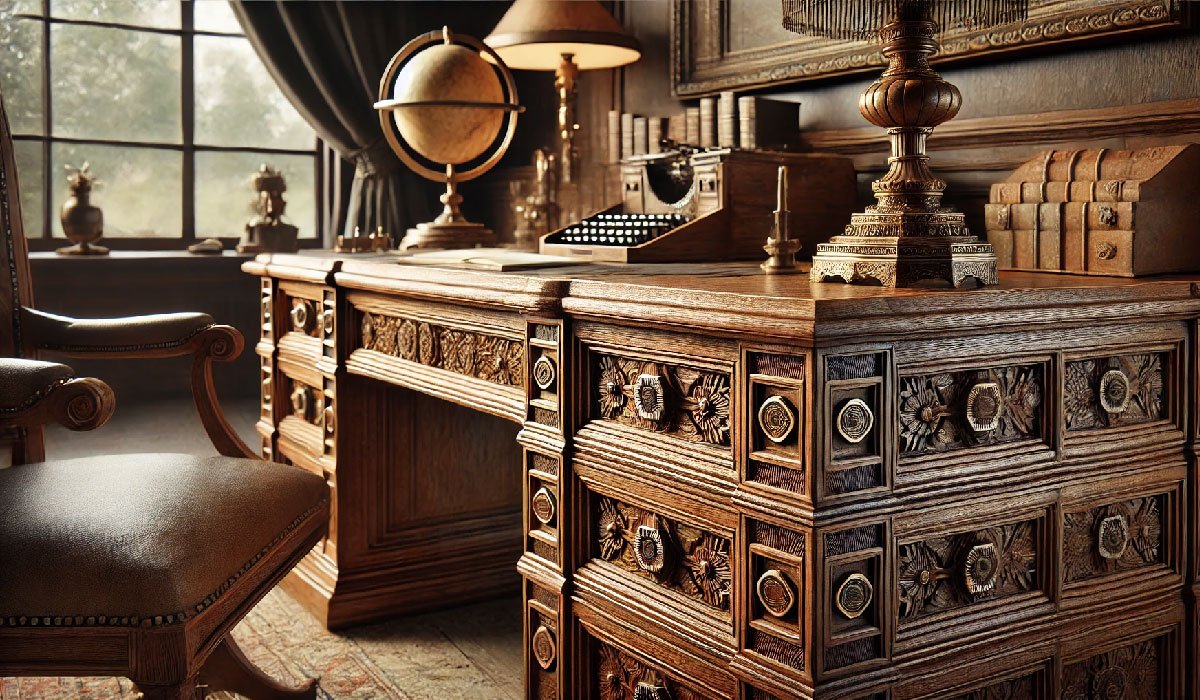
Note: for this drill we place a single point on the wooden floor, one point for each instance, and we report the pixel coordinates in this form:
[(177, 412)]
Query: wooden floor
[(472, 652)]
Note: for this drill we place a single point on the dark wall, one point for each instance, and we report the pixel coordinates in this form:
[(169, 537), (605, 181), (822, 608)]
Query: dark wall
[(127, 284), (1139, 69)]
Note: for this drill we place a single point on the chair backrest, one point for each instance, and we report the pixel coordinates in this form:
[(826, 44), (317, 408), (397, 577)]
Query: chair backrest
[(16, 289)]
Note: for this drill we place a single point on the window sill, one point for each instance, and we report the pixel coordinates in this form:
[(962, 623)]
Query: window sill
[(134, 255)]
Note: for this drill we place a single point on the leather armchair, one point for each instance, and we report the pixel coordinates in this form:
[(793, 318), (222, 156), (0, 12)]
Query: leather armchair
[(132, 565)]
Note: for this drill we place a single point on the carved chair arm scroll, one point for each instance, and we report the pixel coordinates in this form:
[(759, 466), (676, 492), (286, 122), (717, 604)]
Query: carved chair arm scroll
[(160, 335), (34, 393)]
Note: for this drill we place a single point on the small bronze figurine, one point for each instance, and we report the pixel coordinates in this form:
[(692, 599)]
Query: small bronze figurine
[(781, 247), (82, 222), (266, 232)]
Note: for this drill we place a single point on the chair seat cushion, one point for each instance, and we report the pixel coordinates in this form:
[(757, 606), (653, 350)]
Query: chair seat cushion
[(131, 538)]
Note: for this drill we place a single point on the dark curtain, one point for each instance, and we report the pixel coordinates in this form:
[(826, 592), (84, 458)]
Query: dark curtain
[(328, 58)]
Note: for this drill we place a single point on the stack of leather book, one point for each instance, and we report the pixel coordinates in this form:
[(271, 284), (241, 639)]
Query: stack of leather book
[(1099, 212)]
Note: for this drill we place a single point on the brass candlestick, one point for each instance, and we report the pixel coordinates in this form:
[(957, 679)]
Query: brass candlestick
[(906, 237), (781, 247)]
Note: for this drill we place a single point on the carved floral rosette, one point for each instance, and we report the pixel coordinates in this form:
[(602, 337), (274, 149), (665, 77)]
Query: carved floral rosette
[(677, 556), (1103, 393), (955, 410), (487, 357), (951, 572), (622, 677), (1117, 537), (680, 401), (1129, 673)]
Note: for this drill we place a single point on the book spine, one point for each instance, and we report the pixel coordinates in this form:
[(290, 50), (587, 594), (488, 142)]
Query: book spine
[(1002, 243), (1013, 192), (1035, 249), (1099, 216), (747, 131), (727, 120), (626, 135), (639, 136), (654, 134), (614, 136), (677, 128), (708, 122), (1026, 215), (692, 125)]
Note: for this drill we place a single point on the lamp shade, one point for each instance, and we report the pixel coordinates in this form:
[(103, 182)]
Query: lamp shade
[(862, 19), (534, 35)]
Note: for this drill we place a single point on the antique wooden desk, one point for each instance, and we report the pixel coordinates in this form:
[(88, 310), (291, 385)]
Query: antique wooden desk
[(716, 484)]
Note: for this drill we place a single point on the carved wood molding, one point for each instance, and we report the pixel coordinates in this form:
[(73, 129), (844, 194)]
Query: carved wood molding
[(675, 555), (1157, 118), (702, 64), (947, 573), (954, 410), (1023, 688), (679, 401), (487, 357)]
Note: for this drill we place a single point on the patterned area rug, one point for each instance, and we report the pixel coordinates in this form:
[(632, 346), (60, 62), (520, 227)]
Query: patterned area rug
[(474, 652)]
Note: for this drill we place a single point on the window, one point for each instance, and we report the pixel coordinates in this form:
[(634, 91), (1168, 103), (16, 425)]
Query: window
[(170, 105)]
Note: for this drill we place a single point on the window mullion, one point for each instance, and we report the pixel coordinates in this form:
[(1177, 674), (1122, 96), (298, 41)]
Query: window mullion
[(188, 120), (47, 121)]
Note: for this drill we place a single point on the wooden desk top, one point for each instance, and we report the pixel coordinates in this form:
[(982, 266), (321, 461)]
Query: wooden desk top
[(737, 299)]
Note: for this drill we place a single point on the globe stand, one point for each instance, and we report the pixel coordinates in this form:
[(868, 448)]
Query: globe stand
[(450, 229), (436, 94), (907, 236)]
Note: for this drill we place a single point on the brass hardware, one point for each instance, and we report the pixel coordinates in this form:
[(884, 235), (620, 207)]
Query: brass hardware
[(300, 401), (330, 418), (775, 592), (984, 406), (650, 550), (300, 316), (855, 420), (649, 397), (1115, 391), (650, 691), (979, 569), (1112, 537), (777, 419), (327, 319), (1106, 251), (544, 373), (854, 596), (543, 646), (543, 506)]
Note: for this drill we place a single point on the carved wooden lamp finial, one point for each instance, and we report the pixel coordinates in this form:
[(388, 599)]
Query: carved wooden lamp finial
[(907, 237)]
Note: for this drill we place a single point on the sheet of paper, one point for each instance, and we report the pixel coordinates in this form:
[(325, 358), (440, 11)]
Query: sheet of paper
[(496, 259)]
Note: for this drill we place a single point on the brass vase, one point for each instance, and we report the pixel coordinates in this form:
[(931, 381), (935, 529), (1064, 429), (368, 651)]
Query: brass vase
[(82, 222)]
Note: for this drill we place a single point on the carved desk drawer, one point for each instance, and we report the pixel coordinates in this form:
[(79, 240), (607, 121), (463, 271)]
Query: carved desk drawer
[(308, 331), (307, 430)]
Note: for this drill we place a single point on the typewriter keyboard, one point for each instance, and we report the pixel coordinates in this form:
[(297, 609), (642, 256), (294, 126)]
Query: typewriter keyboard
[(619, 229)]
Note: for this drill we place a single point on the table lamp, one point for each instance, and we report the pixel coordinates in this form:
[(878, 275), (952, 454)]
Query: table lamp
[(907, 237), (565, 36)]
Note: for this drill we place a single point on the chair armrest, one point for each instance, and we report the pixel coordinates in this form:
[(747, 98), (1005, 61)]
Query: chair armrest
[(34, 393), (161, 335)]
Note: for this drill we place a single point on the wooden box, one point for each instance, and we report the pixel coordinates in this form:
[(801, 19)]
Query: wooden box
[(1099, 212)]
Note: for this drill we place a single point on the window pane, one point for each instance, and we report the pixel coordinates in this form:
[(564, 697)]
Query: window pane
[(140, 191), (143, 13), (215, 16), (21, 70), (225, 197), (29, 177), (237, 101), (115, 84)]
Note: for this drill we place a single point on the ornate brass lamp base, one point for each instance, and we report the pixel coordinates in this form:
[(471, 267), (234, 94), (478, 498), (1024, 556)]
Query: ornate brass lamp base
[(907, 237), (894, 261), (463, 234)]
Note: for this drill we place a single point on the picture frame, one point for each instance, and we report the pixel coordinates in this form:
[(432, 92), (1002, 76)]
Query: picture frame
[(708, 57)]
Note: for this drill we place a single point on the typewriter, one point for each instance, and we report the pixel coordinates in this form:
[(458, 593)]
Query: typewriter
[(686, 205)]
